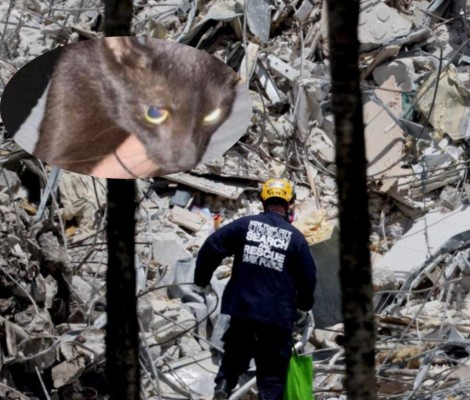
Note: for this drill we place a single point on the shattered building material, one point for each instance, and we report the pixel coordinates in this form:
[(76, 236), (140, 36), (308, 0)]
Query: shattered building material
[(181, 199), (404, 70), (259, 19), (322, 237), (186, 219), (309, 95), (426, 236), (67, 371), (451, 95), (196, 372), (304, 10), (327, 310), (248, 64), (384, 147), (379, 24), (51, 221), (222, 189), (281, 68), (267, 84), (384, 54), (83, 198)]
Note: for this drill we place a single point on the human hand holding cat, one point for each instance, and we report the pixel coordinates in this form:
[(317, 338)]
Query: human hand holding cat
[(128, 161)]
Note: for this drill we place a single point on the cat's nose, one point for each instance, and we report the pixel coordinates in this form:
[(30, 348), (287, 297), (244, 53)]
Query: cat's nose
[(187, 155), (177, 154)]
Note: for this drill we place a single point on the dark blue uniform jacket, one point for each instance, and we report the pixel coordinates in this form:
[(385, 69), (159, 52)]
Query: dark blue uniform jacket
[(273, 271)]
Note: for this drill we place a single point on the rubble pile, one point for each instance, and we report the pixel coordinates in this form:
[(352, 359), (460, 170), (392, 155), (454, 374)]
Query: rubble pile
[(415, 63)]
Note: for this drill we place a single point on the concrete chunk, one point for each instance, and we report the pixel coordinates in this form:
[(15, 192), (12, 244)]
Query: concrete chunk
[(282, 69), (411, 251), (379, 24), (66, 372), (451, 95), (187, 219)]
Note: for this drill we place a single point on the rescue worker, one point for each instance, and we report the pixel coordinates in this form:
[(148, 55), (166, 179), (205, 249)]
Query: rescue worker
[(271, 287)]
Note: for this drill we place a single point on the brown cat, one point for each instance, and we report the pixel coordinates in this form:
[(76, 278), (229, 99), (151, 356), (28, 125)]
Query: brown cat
[(169, 97)]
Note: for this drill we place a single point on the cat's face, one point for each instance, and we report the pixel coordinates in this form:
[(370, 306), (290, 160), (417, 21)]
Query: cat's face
[(172, 97)]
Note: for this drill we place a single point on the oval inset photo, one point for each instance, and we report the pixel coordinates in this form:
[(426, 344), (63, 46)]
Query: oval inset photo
[(126, 107)]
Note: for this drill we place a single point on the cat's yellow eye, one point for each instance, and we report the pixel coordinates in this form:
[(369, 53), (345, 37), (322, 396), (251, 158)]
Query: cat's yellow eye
[(213, 117), (156, 115)]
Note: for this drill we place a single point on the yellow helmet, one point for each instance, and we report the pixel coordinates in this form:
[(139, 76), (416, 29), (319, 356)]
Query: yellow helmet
[(277, 187)]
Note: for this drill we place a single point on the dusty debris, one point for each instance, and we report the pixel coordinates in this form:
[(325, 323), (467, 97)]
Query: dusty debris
[(186, 219), (414, 65), (452, 94), (379, 23), (68, 371), (315, 227), (422, 241), (228, 190), (384, 136)]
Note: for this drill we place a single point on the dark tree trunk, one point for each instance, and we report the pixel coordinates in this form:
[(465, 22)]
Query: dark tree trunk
[(122, 343), (355, 271)]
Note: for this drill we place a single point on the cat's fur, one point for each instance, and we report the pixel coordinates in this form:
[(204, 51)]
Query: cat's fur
[(98, 91)]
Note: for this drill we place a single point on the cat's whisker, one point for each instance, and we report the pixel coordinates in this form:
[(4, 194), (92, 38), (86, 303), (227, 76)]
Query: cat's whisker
[(65, 160), (102, 132)]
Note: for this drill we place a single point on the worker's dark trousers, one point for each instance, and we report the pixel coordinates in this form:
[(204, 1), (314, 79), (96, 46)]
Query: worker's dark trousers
[(269, 345)]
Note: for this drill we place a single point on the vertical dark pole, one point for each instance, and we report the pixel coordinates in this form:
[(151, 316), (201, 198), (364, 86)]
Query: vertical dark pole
[(122, 344), (355, 271), (117, 17), (122, 357)]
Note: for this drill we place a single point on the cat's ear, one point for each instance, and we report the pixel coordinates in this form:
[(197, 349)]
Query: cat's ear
[(126, 50)]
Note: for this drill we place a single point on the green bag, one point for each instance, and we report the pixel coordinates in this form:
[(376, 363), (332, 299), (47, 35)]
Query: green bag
[(299, 384)]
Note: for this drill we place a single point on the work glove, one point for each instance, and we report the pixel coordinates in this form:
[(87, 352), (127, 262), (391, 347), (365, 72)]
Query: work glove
[(302, 319)]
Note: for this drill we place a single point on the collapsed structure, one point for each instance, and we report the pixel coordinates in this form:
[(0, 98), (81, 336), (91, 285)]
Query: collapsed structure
[(415, 70)]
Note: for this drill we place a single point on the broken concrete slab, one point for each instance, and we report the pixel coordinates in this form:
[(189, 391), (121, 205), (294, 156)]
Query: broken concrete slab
[(189, 347), (197, 372), (248, 64), (82, 198), (258, 16), (55, 260), (82, 289), (380, 24), (327, 310), (402, 70), (281, 68), (67, 371), (384, 137), (274, 94), (451, 95), (304, 11), (168, 251), (187, 219), (308, 105), (280, 122), (9, 181), (427, 235), (383, 55), (184, 321), (224, 190), (423, 183), (226, 12)]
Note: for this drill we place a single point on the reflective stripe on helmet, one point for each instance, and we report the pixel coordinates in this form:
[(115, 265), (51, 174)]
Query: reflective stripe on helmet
[(277, 187)]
